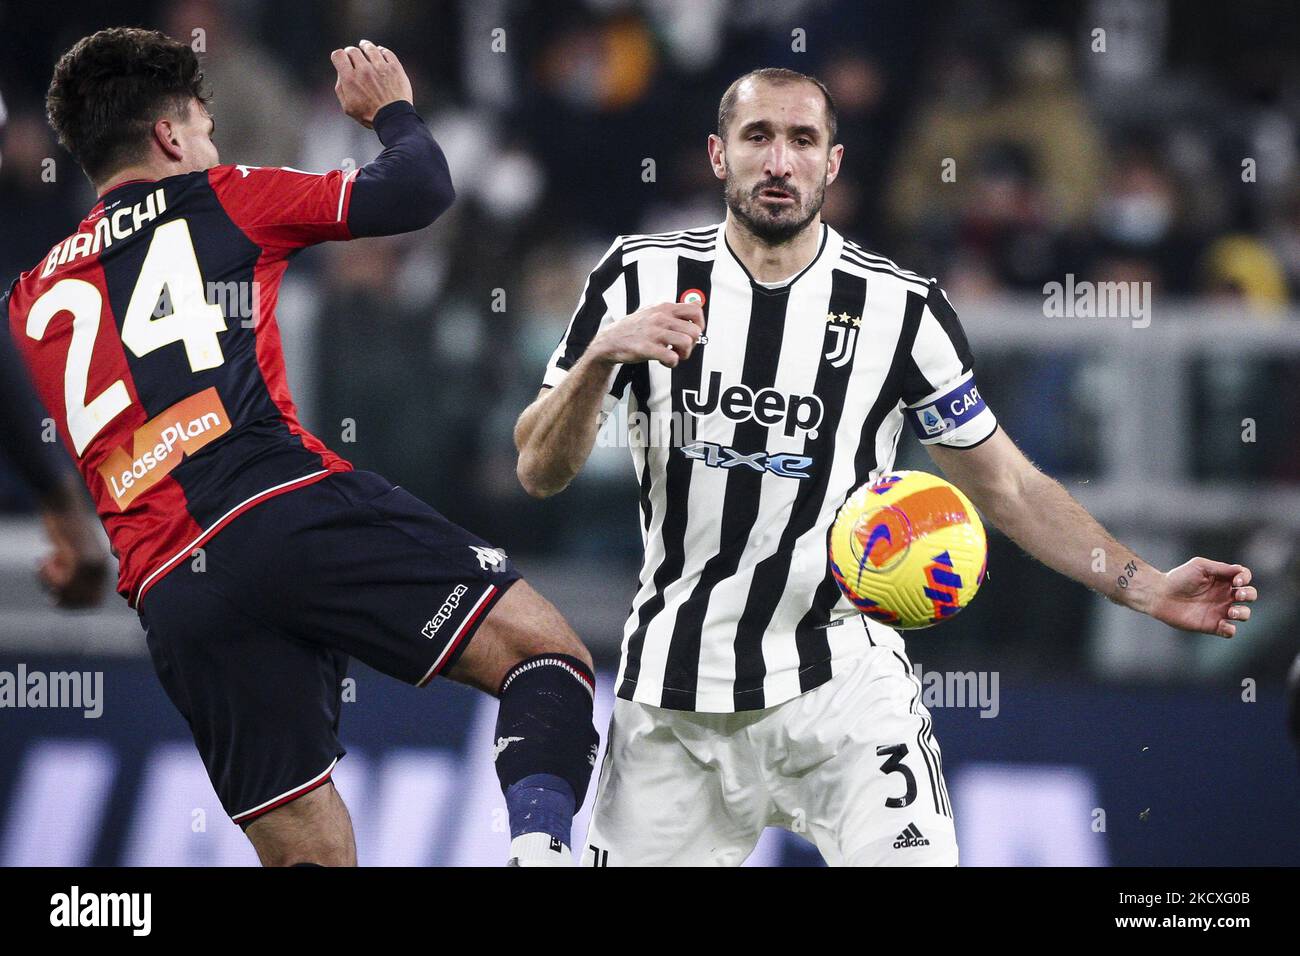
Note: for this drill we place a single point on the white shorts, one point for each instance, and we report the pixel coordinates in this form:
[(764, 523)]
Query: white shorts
[(851, 766)]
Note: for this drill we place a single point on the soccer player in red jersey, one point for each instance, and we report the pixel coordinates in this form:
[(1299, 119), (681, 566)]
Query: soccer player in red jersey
[(176, 410)]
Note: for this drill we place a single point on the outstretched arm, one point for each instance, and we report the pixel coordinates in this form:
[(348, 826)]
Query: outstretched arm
[(1038, 514)]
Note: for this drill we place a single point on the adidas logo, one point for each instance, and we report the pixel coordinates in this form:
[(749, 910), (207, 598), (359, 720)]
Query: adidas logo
[(910, 837)]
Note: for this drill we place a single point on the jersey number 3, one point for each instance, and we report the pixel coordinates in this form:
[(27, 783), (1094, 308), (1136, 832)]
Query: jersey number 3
[(171, 268)]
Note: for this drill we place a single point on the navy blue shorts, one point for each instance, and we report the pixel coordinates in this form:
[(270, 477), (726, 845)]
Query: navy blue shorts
[(251, 637)]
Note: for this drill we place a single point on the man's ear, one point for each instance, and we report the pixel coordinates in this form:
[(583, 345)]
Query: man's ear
[(164, 134), (717, 156), (833, 161)]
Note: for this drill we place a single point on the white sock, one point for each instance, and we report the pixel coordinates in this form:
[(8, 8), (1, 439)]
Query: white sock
[(539, 849)]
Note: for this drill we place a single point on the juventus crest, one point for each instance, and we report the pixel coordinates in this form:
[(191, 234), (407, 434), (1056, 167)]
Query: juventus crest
[(842, 330)]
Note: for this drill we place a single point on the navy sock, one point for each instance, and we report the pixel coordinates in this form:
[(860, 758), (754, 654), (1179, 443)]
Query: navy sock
[(546, 744), (541, 803)]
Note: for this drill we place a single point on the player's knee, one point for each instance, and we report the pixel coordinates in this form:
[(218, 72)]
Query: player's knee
[(523, 625), (306, 853), (559, 639), (314, 829), (542, 629)]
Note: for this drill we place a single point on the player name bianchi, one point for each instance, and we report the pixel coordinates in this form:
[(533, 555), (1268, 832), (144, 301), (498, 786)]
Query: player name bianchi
[(797, 395)]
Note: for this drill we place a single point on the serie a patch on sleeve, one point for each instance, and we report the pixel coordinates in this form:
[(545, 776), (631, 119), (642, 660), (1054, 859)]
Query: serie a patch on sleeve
[(956, 415)]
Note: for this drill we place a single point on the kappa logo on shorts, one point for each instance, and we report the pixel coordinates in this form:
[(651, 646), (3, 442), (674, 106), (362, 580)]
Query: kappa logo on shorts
[(444, 612), (490, 559), (502, 743), (910, 837)]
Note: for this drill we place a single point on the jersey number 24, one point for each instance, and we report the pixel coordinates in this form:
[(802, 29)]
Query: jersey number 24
[(171, 265)]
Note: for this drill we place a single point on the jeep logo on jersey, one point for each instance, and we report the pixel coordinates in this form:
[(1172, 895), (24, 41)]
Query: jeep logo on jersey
[(160, 443), (767, 406)]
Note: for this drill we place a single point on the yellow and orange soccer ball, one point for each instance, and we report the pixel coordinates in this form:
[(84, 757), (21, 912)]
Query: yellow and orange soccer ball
[(908, 550)]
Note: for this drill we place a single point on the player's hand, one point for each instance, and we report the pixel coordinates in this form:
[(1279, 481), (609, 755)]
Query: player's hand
[(74, 579), (1205, 596), (370, 77), (666, 333), (75, 571)]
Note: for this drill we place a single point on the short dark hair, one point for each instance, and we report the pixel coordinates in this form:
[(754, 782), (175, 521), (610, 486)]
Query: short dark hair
[(778, 75), (109, 89)]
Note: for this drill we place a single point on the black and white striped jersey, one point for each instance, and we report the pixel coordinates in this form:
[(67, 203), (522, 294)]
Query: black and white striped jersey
[(745, 452)]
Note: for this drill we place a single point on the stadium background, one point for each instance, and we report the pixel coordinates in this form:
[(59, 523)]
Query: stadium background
[(1171, 158)]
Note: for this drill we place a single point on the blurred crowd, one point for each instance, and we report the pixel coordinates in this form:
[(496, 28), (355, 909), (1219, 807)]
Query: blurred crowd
[(996, 144)]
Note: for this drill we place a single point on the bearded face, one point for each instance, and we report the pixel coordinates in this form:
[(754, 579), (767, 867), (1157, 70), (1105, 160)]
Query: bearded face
[(774, 210), (777, 159)]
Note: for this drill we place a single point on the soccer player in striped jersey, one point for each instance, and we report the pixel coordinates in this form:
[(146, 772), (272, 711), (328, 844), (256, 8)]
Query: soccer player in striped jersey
[(258, 560), (786, 360)]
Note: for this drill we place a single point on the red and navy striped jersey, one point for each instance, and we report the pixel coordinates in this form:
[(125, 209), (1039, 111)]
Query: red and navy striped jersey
[(151, 338)]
